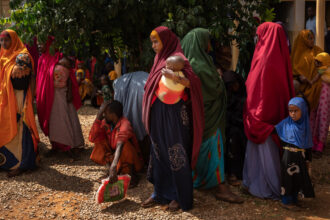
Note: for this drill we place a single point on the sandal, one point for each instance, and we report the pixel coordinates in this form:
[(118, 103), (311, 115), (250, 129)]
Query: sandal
[(229, 197), (149, 203)]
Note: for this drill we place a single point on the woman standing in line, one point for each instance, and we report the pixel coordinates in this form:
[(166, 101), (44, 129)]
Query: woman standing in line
[(269, 88), (209, 171), (173, 149), (18, 131)]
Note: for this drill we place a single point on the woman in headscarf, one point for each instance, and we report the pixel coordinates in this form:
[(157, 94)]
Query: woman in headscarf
[(174, 150), (269, 88), (304, 70), (18, 132), (209, 170), (320, 127), (58, 100)]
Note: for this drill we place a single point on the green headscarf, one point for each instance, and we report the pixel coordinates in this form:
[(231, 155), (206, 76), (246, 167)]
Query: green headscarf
[(195, 45)]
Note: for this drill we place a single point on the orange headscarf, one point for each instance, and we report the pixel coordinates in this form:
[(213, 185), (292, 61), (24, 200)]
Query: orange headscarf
[(302, 58), (8, 104)]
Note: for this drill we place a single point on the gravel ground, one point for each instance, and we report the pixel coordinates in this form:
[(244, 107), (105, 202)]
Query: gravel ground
[(64, 189)]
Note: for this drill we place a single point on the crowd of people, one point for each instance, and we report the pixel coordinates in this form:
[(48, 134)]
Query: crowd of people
[(192, 124)]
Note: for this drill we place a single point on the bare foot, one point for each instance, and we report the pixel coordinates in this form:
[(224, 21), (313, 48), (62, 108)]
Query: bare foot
[(173, 206), (148, 203), (291, 207), (226, 195), (14, 173)]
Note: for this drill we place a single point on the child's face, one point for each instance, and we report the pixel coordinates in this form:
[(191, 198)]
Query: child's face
[(103, 81), (294, 112), (317, 63)]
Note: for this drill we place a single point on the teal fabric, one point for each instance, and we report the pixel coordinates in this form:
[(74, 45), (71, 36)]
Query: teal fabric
[(195, 45), (209, 171)]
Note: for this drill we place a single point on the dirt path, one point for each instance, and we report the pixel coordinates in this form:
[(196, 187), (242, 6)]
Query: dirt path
[(64, 189)]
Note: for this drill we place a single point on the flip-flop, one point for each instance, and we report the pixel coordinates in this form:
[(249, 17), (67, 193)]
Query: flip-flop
[(231, 198)]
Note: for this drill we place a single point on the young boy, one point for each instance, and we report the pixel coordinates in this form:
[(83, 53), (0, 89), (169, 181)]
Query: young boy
[(115, 143)]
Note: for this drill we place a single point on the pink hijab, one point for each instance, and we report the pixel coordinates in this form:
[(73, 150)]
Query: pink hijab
[(45, 86)]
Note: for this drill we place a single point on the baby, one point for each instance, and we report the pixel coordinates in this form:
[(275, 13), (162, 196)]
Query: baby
[(169, 91)]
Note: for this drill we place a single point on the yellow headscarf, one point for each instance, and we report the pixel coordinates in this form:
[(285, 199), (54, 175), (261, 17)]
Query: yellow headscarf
[(302, 59), (324, 58), (8, 104)]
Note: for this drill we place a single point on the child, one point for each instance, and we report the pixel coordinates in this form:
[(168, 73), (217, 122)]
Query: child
[(107, 90), (236, 139), (85, 85), (296, 137), (321, 123), (170, 92)]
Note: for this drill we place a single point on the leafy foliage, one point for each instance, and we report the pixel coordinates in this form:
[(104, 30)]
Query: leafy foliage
[(92, 27)]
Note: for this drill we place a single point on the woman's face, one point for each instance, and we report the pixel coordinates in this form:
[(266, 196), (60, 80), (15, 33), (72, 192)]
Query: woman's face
[(310, 40), (156, 44), (5, 41), (294, 112)]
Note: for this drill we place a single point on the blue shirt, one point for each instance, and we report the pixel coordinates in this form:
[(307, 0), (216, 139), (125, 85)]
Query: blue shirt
[(311, 25)]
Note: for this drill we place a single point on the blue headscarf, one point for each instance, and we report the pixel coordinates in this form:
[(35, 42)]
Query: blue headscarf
[(298, 132)]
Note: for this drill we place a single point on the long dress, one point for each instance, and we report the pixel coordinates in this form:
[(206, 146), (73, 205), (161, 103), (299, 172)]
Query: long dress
[(169, 168), (58, 117), (64, 126), (174, 149), (269, 88), (18, 131), (209, 170)]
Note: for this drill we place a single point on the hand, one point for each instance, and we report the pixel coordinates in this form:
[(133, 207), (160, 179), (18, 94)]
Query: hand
[(315, 79), (113, 174), (303, 79), (101, 111), (168, 73)]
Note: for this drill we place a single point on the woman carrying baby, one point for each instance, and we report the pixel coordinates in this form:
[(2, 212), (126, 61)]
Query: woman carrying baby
[(18, 131), (167, 120)]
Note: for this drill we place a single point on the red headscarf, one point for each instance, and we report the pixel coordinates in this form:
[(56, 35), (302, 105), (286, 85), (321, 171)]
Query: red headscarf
[(45, 86), (269, 84), (172, 46)]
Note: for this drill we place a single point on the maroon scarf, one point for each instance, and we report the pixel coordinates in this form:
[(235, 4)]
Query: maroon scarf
[(172, 46)]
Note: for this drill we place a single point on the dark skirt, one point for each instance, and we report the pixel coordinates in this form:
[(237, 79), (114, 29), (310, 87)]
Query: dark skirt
[(295, 177), (169, 167)]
